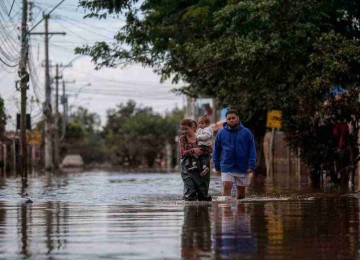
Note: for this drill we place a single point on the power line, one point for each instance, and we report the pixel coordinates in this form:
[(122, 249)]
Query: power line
[(8, 65), (72, 32), (74, 21), (11, 7), (44, 16), (64, 7), (139, 83), (34, 78), (76, 25), (9, 47), (111, 94)]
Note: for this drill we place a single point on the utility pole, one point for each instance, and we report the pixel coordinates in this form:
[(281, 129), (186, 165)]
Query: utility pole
[(24, 79), (57, 115), (56, 128), (64, 102), (49, 120), (47, 105)]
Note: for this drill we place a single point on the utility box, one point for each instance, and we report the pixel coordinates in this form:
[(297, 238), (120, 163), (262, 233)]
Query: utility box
[(28, 122)]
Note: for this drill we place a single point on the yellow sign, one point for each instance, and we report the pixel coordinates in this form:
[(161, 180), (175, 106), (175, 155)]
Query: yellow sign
[(273, 119), (33, 137)]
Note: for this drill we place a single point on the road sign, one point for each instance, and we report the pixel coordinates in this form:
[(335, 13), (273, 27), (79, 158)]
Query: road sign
[(33, 137), (273, 119)]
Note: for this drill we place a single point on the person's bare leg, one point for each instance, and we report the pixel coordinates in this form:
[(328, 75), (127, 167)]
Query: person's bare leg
[(240, 192), (227, 186)]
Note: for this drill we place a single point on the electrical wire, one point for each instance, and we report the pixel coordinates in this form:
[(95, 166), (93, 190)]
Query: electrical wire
[(77, 26), (44, 17), (9, 46)]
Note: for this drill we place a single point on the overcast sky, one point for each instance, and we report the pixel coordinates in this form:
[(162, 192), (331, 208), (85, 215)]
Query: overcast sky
[(96, 90)]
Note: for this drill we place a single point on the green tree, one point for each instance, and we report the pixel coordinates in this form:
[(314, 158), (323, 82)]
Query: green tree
[(166, 35), (137, 134), (90, 121), (83, 136), (312, 126), (253, 55)]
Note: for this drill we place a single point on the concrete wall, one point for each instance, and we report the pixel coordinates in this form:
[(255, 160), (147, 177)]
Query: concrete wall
[(284, 161)]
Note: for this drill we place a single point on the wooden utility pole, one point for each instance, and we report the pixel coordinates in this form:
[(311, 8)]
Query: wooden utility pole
[(57, 114), (65, 116), (49, 120), (47, 106), (56, 128), (64, 102), (24, 79)]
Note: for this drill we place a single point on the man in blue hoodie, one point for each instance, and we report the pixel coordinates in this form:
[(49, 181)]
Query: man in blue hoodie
[(234, 154)]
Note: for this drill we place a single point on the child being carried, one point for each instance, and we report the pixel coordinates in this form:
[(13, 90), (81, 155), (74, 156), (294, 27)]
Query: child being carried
[(204, 136)]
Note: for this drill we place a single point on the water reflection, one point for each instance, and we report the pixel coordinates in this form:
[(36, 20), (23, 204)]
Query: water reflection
[(2, 224), (56, 217), (23, 216), (232, 235), (323, 228), (196, 232), (110, 215)]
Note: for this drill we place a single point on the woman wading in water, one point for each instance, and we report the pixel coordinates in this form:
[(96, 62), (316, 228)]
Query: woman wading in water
[(196, 187)]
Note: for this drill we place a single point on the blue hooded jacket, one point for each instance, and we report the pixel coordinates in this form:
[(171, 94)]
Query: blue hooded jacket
[(234, 150)]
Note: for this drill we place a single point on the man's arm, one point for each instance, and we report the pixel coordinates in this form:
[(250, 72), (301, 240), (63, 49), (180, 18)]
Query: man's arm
[(217, 152), (252, 153)]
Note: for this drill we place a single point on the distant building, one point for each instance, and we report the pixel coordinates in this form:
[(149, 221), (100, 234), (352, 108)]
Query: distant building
[(197, 107)]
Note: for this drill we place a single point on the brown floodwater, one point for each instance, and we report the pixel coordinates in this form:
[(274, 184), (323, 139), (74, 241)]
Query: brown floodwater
[(111, 215)]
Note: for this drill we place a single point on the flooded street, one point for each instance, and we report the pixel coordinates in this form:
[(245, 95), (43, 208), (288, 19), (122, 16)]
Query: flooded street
[(114, 215)]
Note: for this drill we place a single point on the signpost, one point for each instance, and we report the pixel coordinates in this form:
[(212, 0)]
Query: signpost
[(273, 121), (33, 137)]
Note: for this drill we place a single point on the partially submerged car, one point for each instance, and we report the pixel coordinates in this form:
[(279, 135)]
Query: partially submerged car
[(72, 161)]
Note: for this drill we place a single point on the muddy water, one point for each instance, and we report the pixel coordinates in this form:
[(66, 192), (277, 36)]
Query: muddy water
[(112, 215)]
